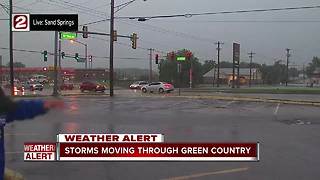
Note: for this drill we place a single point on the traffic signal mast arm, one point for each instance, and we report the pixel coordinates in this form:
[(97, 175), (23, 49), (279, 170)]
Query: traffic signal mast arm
[(103, 34)]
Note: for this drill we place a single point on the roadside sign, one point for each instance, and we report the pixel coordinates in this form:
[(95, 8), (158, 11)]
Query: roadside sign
[(44, 22), (68, 35), (236, 53), (236, 65), (181, 58)]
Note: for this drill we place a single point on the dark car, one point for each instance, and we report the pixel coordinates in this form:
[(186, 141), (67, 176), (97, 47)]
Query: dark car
[(67, 86), (92, 86)]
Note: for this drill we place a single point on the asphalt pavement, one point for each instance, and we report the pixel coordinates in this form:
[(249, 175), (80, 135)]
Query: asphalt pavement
[(288, 134)]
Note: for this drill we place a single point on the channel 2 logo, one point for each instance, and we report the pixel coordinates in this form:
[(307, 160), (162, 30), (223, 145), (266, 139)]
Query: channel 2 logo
[(20, 22)]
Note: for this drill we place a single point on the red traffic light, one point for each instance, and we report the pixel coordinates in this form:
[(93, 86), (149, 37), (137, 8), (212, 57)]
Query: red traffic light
[(172, 56), (188, 54), (45, 69)]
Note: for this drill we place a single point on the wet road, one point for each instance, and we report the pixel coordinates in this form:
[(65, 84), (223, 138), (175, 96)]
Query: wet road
[(289, 137)]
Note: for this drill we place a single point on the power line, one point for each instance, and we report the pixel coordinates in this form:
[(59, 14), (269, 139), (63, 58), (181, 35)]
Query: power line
[(249, 21), (189, 15), (143, 18)]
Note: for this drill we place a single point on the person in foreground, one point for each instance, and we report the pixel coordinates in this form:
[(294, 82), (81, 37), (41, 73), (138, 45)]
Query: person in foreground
[(19, 110)]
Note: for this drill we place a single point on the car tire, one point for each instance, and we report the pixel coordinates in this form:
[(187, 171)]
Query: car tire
[(161, 90), (144, 90)]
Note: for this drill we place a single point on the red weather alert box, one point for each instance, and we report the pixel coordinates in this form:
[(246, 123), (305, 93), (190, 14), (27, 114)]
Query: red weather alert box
[(39, 151)]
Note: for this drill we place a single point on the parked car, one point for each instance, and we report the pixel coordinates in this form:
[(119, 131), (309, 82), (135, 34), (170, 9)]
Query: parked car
[(67, 86), (92, 86), (35, 86), (160, 87), (39, 79), (138, 84)]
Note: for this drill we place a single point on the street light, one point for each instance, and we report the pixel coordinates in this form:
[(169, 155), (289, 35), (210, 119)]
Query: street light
[(72, 41)]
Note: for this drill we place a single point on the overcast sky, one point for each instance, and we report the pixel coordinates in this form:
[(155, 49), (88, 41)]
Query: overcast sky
[(268, 39)]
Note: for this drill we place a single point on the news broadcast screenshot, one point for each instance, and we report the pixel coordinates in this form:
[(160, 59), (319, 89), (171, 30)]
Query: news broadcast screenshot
[(159, 90)]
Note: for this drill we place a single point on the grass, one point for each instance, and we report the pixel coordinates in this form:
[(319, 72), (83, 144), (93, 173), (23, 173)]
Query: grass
[(263, 90)]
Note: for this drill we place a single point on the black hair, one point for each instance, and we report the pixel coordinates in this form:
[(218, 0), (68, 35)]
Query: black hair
[(6, 104)]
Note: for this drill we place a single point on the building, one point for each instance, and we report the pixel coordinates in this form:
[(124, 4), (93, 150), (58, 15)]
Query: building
[(98, 74), (70, 74), (226, 75)]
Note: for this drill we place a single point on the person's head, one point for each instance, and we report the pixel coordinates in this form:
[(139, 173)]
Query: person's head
[(6, 104)]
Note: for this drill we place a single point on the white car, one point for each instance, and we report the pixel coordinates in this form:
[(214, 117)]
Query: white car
[(39, 78), (138, 84), (36, 86), (160, 87)]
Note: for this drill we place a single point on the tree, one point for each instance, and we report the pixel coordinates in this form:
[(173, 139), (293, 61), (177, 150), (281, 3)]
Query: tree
[(17, 65), (293, 72), (312, 66), (169, 70), (273, 74)]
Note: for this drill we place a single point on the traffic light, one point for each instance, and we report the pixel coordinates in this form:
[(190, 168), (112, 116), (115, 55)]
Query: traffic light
[(115, 35), (134, 38), (45, 56), (90, 58), (85, 30), (157, 58), (63, 55), (172, 56), (188, 54), (76, 56), (45, 69)]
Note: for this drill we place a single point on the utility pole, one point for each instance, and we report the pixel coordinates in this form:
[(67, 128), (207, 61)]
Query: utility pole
[(1, 73), (111, 47), (218, 49), (11, 49), (287, 72), (55, 76), (304, 74), (250, 66), (150, 65), (214, 73), (86, 54), (59, 62)]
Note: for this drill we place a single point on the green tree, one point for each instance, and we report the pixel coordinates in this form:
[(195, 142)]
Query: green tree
[(169, 70), (17, 65), (293, 72), (312, 66), (273, 74)]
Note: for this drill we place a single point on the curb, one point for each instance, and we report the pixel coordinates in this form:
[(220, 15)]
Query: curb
[(251, 99)]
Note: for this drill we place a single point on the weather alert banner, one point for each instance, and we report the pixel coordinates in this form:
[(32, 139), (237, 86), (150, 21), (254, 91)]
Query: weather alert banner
[(136, 147)]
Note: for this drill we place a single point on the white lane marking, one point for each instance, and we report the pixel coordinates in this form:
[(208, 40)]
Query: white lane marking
[(277, 109), (207, 174), (229, 103)]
